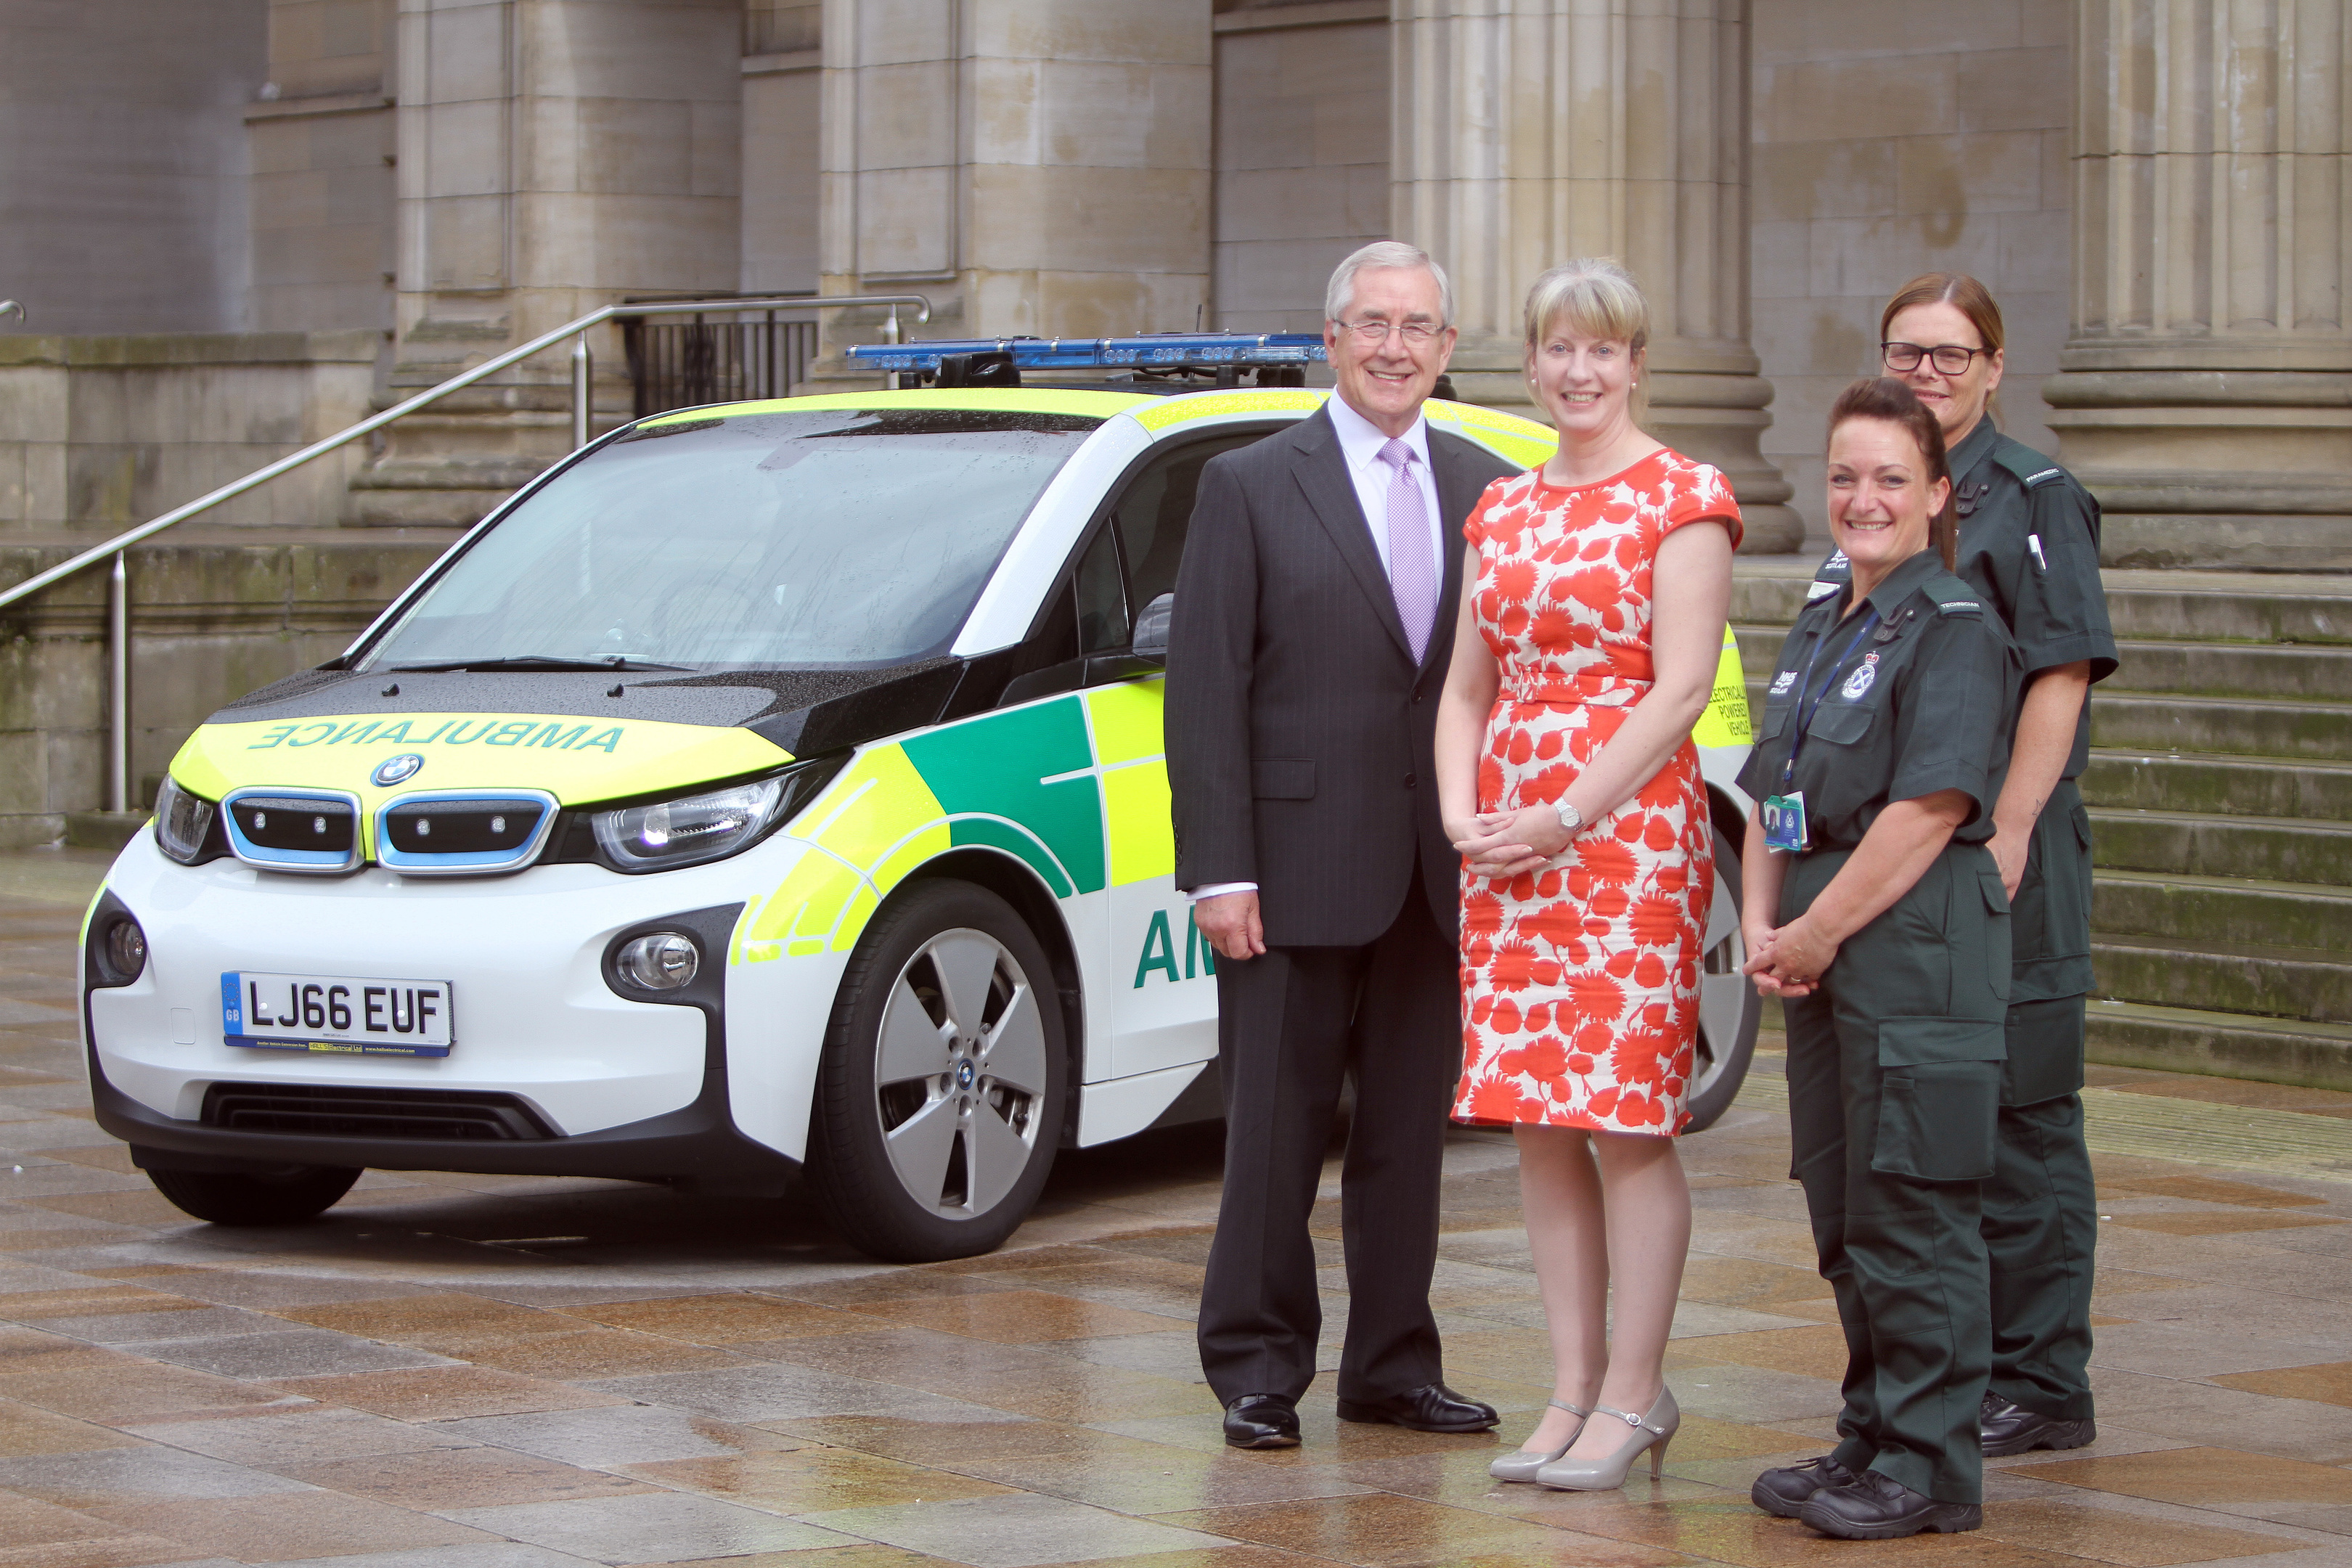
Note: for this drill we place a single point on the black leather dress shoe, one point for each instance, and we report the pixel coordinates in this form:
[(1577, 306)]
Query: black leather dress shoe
[(1262, 1421), (2005, 1428), (1432, 1407), (1785, 1490), (1877, 1507)]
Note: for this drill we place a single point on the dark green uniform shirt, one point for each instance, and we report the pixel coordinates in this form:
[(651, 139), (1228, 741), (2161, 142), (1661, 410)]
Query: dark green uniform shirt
[(1920, 695), (2030, 544)]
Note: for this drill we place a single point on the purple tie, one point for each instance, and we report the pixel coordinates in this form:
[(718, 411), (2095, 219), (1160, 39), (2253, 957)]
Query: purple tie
[(1412, 575)]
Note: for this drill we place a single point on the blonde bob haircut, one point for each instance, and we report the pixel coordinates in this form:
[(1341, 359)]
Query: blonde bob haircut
[(1595, 297)]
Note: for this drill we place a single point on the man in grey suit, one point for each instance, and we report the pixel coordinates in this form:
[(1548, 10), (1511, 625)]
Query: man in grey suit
[(1314, 620)]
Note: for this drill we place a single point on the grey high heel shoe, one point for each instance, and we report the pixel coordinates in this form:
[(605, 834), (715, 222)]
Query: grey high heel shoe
[(1649, 1431), (1523, 1465)]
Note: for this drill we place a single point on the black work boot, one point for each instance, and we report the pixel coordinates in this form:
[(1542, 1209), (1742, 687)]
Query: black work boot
[(1783, 1492), (1874, 1506), (2004, 1428)]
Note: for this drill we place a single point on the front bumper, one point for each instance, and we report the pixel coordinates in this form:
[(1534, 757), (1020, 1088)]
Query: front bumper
[(605, 1085)]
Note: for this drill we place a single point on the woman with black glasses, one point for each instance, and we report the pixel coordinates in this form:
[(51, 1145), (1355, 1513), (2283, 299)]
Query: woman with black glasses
[(2029, 541)]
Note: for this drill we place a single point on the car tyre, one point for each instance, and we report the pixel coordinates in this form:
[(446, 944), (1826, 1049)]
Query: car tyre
[(232, 1197), (1728, 1006), (940, 1098)]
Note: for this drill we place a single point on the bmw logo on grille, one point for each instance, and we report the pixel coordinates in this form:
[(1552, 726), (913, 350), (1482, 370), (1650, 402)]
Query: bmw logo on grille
[(397, 770)]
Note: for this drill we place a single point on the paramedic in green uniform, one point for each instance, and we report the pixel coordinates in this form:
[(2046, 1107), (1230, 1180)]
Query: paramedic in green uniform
[(1874, 910), (2030, 543)]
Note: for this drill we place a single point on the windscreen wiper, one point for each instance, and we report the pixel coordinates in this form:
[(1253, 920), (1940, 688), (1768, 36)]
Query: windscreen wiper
[(617, 663)]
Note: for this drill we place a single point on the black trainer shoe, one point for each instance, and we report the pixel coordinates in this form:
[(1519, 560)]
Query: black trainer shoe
[(1783, 1492), (1874, 1506), (2004, 1428)]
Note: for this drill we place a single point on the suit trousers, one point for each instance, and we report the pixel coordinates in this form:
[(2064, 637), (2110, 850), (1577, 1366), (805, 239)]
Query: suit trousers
[(1292, 1024)]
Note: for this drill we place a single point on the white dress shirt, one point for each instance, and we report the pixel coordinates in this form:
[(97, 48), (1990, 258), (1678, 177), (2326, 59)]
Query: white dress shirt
[(1361, 441)]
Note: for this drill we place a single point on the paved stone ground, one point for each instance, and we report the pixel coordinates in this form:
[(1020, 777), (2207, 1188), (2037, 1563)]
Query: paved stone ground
[(464, 1372)]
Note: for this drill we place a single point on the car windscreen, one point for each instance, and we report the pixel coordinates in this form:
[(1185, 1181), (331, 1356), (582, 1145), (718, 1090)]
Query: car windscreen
[(824, 537)]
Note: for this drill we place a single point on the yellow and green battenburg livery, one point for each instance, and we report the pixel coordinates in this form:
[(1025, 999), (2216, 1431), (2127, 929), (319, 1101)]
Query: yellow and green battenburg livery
[(1076, 786)]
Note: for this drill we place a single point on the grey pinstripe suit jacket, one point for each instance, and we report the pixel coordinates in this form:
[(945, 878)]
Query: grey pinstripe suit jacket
[(1300, 728)]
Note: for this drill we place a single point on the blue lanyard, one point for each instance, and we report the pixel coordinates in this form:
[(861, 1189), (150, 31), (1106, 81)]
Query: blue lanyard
[(1809, 698)]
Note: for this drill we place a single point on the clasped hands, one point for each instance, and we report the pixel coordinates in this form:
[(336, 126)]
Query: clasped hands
[(1787, 960), (1498, 844)]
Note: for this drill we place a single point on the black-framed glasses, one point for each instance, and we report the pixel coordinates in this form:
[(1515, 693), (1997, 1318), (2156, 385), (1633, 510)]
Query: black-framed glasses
[(1949, 359), (1377, 331)]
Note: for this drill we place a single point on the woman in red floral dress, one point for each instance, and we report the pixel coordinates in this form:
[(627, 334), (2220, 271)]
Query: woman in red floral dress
[(1587, 650)]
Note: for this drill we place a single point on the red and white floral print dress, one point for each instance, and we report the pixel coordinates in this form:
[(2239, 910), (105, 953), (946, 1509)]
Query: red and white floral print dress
[(1579, 981)]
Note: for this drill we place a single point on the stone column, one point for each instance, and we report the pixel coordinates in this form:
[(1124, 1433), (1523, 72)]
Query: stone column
[(1037, 166), (1530, 132), (2202, 393), (555, 155)]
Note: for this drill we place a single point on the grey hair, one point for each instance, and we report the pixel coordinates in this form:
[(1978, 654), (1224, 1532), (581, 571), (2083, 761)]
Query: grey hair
[(1385, 253)]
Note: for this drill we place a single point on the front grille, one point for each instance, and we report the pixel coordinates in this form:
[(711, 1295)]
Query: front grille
[(303, 823), (463, 833), (331, 1111), (470, 826)]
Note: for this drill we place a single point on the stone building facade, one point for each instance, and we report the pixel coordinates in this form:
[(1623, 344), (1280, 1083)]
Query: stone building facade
[(2158, 190)]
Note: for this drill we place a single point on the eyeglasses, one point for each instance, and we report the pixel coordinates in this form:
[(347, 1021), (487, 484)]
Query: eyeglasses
[(1377, 331), (1949, 359)]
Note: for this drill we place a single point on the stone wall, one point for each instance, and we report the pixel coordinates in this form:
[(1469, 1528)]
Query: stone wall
[(319, 142), (122, 161), (1896, 137), (1302, 156), (781, 128), (1035, 166), (100, 433)]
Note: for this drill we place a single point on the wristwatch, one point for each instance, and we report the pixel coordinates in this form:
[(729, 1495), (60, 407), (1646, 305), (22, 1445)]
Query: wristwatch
[(1571, 819)]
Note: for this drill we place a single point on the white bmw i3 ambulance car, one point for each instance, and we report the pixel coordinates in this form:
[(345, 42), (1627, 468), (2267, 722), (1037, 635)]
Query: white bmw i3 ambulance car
[(768, 786)]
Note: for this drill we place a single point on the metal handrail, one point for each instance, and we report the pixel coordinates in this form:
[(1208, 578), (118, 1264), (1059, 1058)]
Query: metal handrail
[(292, 460), (117, 792)]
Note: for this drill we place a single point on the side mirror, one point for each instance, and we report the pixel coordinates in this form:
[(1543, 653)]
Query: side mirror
[(1151, 625)]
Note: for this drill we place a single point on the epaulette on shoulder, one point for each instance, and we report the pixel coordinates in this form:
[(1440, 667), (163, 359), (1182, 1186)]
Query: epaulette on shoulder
[(2033, 469), (1952, 596)]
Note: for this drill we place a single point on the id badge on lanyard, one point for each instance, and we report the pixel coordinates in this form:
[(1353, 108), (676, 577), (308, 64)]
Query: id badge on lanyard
[(1785, 828), (1784, 823)]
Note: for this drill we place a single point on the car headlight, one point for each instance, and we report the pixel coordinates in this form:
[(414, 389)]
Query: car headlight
[(709, 826), (184, 823)]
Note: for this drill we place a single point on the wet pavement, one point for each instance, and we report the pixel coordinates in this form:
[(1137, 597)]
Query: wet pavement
[(468, 1371)]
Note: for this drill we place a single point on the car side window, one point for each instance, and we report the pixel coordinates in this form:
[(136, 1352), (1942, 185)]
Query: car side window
[(1102, 606), (1154, 511)]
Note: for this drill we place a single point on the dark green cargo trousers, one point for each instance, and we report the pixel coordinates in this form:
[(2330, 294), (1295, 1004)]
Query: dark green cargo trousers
[(1895, 1072), (2040, 1211)]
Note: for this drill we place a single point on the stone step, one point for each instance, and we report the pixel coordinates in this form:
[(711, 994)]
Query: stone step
[(2156, 606), (2293, 670), (2273, 727), (2124, 720), (2210, 607), (2233, 786), (2224, 976), (2186, 844), (2191, 909), (2227, 1045)]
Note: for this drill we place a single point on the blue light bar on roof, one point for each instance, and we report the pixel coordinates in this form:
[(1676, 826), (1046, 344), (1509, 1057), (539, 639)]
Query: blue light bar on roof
[(1162, 351)]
